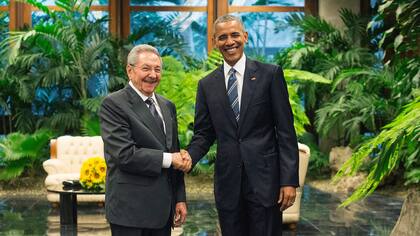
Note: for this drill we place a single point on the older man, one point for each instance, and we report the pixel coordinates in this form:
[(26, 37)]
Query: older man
[(145, 194), (244, 104)]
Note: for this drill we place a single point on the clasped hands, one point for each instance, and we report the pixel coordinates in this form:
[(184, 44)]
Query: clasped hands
[(181, 161)]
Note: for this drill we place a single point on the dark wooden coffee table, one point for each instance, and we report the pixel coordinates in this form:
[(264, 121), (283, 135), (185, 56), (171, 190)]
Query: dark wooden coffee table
[(68, 203)]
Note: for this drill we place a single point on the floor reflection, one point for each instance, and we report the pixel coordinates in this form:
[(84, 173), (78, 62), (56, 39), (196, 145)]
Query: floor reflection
[(319, 216)]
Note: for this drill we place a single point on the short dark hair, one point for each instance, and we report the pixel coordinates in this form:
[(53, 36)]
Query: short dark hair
[(227, 18)]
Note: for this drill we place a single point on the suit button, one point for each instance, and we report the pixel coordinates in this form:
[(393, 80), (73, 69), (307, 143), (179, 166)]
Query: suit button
[(240, 140)]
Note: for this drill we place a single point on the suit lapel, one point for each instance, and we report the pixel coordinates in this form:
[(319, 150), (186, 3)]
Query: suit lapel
[(222, 93), (167, 119), (143, 112), (248, 88)]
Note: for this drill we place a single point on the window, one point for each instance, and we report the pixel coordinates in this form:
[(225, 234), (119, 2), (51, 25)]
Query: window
[(263, 19), (171, 25), (293, 3), (168, 3), (266, 33), (4, 18), (172, 31), (99, 9), (191, 20)]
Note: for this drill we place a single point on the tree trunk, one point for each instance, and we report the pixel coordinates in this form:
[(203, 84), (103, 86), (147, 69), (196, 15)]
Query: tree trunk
[(408, 222)]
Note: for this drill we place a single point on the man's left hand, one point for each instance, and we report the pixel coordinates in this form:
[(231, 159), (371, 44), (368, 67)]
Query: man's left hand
[(180, 214), (287, 197)]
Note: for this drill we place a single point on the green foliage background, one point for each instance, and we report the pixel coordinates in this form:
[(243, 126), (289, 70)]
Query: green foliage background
[(366, 97), (340, 90)]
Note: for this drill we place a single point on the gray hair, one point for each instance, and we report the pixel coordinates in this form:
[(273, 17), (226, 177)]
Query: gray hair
[(227, 18), (133, 56)]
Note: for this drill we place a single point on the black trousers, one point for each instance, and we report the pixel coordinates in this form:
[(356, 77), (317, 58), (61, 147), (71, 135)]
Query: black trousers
[(119, 230), (250, 217)]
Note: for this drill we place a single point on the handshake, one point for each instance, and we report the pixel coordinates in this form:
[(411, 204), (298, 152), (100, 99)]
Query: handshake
[(181, 161)]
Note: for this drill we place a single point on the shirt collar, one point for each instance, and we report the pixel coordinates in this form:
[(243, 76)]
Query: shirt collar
[(239, 66), (143, 97)]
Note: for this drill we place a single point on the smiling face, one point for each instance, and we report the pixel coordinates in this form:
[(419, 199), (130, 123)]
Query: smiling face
[(230, 38), (146, 74)]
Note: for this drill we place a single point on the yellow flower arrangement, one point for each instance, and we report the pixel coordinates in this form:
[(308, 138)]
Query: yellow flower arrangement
[(92, 174)]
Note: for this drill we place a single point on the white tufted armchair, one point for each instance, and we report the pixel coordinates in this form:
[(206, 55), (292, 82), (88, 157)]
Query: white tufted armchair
[(291, 215), (67, 154)]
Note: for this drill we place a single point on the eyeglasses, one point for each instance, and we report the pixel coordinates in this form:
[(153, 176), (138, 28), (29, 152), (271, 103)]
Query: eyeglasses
[(148, 69)]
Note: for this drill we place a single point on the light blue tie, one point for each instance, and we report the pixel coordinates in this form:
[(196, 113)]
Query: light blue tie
[(232, 92)]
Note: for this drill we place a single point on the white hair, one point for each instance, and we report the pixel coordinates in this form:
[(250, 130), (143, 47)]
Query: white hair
[(133, 56)]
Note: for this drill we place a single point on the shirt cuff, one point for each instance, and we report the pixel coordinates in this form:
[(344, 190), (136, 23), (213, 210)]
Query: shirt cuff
[(167, 160)]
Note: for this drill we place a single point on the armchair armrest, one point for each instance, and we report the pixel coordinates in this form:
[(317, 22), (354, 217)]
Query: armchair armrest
[(53, 166), (304, 154)]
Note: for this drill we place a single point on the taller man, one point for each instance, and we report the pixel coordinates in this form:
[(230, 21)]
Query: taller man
[(244, 104), (139, 129)]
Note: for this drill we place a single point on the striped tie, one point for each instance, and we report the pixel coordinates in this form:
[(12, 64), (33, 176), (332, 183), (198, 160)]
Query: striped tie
[(233, 93)]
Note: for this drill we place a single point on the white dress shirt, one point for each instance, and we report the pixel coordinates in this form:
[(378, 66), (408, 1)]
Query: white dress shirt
[(167, 157), (240, 73)]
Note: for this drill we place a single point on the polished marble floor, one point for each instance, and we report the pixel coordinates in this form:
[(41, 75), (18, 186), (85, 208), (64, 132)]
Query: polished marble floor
[(375, 215)]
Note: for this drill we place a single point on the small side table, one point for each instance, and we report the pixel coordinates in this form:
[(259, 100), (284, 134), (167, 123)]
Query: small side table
[(68, 206)]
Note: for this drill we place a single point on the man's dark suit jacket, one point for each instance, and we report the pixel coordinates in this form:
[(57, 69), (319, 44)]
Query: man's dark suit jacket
[(263, 141), (139, 192)]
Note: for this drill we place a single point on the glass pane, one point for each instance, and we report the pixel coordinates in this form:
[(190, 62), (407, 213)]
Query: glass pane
[(4, 2), (100, 2), (295, 3), (95, 2), (267, 33), (4, 24), (39, 17), (168, 3), (173, 33)]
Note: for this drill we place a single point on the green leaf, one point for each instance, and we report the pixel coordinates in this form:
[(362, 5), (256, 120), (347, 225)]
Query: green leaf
[(384, 5), (413, 177), (291, 74), (90, 125), (392, 139), (400, 10), (398, 40)]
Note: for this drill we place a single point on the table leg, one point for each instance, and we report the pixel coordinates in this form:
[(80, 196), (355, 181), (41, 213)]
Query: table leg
[(68, 209), (68, 230)]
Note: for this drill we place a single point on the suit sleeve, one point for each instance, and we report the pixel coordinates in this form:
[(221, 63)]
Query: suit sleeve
[(285, 131), (204, 134), (180, 194), (121, 148)]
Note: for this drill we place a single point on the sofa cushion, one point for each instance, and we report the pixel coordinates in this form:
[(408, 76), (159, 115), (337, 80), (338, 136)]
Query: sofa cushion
[(73, 150)]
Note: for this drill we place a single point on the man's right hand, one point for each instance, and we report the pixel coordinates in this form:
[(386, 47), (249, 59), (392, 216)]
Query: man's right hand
[(181, 163), (186, 157)]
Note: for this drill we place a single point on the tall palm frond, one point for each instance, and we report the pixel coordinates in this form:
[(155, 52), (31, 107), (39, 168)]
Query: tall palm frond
[(24, 119), (92, 104), (90, 125), (64, 52), (294, 77), (67, 120), (21, 151), (351, 112), (308, 24), (398, 142), (355, 24), (161, 33)]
